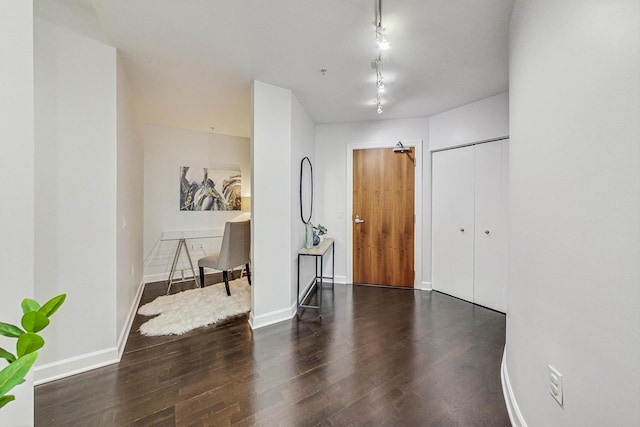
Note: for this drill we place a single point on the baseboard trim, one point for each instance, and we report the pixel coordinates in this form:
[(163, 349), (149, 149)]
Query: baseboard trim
[(150, 278), (515, 416), (87, 362), (126, 329), (425, 286), (163, 277), (341, 280), (74, 365), (257, 322)]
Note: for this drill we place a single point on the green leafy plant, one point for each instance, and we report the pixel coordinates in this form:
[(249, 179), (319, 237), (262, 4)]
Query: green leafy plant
[(320, 229), (34, 319)]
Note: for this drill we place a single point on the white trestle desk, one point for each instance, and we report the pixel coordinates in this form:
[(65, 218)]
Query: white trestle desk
[(181, 237)]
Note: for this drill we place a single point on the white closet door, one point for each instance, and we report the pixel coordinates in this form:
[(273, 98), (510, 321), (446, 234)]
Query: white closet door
[(489, 283), (453, 222)]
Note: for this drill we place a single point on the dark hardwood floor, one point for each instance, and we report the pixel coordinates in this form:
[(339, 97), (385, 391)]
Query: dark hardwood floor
[(379, 356)]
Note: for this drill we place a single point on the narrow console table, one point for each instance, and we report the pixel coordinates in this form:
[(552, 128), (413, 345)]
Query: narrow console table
[(318, 252)]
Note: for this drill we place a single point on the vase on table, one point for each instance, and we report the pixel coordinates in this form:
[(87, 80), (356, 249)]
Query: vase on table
[(308, 236)]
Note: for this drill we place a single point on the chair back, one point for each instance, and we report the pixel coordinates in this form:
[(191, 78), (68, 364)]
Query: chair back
[(236, 244)]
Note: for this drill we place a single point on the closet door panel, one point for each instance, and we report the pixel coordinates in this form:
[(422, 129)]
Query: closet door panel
[(453, 222), (489, 283)]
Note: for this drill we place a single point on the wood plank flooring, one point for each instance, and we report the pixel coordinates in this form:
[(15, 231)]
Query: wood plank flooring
[(378, 356)]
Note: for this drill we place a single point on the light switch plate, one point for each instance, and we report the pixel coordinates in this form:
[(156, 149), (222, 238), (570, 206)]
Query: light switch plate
[(555, 384)]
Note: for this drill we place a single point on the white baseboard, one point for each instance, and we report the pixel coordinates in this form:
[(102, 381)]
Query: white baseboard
[(126, 329), (74, 365), (425, 286), (163, 277), (86, 362), (150, 278), (341, 280), (271, 318), (515, 416)]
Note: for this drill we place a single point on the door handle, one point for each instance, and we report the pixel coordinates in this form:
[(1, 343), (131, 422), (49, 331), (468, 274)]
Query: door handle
[(486, 231), (358, 220), (462, 230)]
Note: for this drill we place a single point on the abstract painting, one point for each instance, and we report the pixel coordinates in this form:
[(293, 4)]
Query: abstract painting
[(208, 189)]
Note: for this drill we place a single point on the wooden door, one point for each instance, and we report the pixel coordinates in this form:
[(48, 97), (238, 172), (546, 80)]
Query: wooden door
[(453, 222), (490, 239), (383, 199)]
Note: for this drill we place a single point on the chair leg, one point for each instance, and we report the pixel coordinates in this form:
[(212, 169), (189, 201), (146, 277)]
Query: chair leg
[(202, 277), (248, 274), (225, 276)]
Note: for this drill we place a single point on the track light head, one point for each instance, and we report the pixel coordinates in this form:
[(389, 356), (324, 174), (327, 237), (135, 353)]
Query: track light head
[(381, 39)]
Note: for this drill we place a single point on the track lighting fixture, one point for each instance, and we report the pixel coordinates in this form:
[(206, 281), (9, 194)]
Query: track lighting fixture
[(376, 64), (382, 44)]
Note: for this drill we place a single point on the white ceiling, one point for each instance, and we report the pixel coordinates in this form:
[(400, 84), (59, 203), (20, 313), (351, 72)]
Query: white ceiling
[(191, 62)]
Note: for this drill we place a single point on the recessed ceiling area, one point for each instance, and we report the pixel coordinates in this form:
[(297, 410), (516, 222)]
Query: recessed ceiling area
[(191, 63)]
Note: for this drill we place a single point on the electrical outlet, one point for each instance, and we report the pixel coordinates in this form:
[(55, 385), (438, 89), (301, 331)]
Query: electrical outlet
[(555, 384)]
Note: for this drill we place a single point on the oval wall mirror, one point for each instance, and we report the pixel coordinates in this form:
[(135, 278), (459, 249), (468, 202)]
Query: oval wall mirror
[(306, 190)]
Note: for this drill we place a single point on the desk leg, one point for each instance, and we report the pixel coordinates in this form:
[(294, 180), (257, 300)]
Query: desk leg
[(195, 277), (173, 265)]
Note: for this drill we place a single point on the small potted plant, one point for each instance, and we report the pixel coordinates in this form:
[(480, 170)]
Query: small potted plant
[(318, 231)]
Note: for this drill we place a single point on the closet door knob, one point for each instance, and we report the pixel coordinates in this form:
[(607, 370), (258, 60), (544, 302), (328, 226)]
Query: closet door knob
[(486, 231), (462, 230)]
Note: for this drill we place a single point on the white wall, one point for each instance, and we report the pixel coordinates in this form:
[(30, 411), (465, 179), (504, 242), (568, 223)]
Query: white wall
[(129, 207), (166, 149), (330, 169), (77, 16), (75, 158), (479, 121), (272, 204), (302, 145), (574, 263), (16, 191)]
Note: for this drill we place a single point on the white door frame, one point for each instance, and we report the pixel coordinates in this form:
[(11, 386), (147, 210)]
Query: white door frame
[(417, 236)]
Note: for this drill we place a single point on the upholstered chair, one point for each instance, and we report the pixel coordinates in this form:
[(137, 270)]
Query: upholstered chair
[(234, 252)]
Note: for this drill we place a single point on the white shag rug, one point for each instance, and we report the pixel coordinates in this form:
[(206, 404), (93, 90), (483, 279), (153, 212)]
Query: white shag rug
[(187, 310)]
